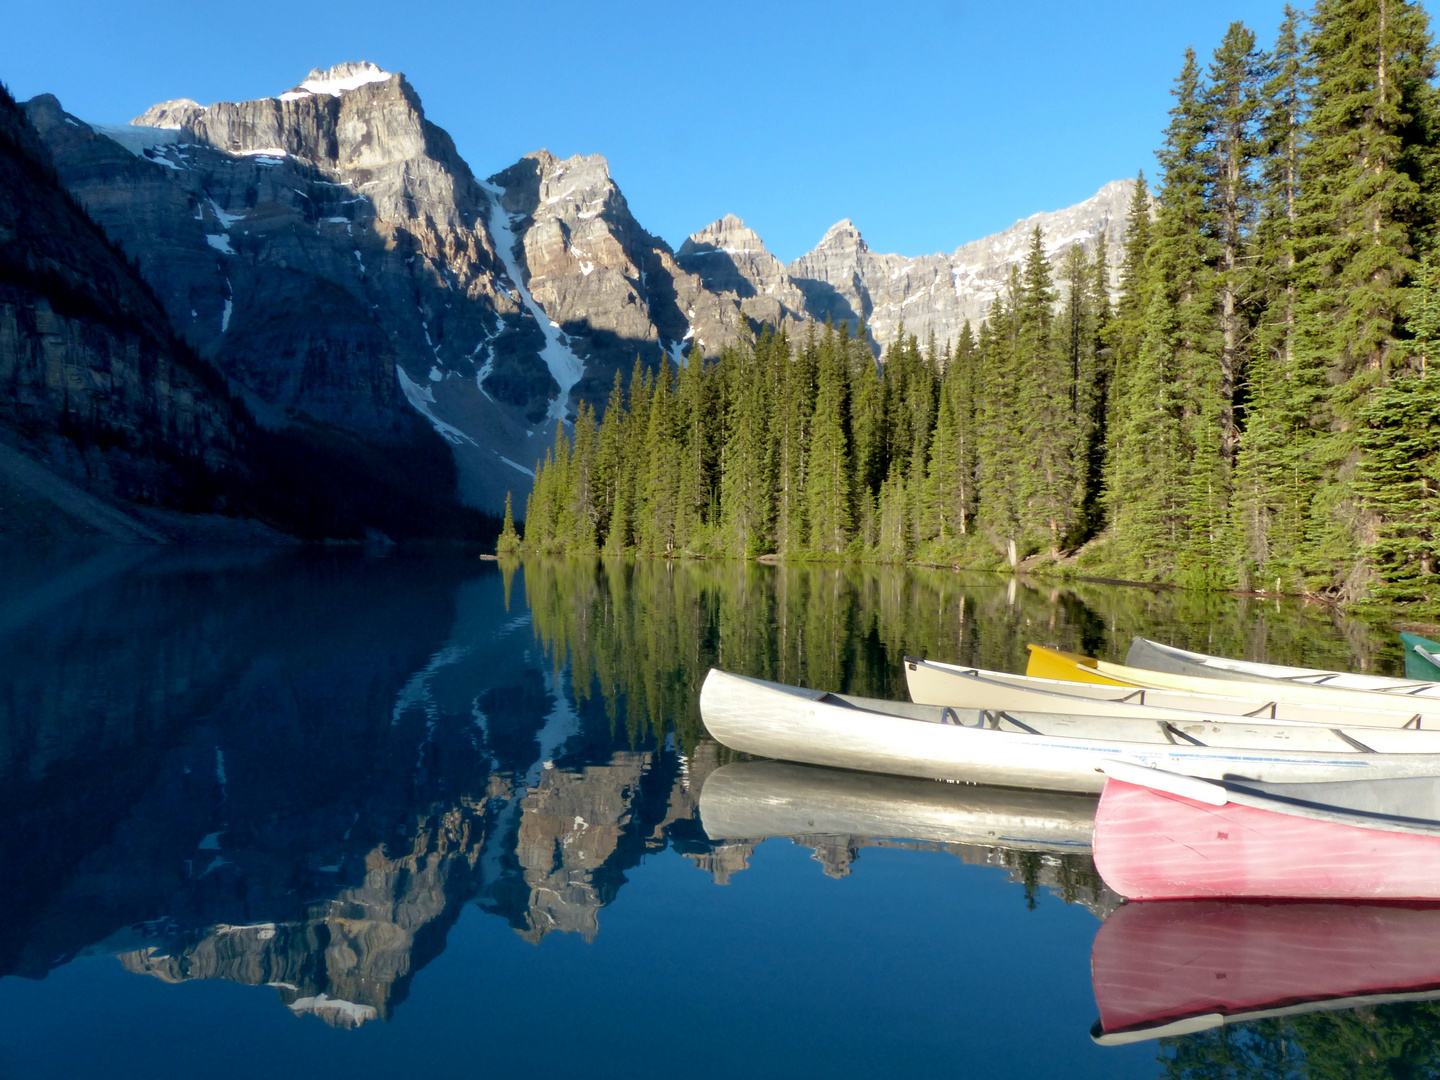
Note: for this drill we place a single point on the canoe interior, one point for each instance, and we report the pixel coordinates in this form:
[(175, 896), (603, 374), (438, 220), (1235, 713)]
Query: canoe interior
[(1406, 803), (1046, 663)]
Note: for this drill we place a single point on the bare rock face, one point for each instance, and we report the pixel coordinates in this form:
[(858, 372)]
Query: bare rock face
[(603, 289), (92, 379), (732, 261)]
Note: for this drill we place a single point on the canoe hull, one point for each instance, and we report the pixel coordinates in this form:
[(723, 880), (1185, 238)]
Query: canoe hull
[(1155, 845), (1165, 968)]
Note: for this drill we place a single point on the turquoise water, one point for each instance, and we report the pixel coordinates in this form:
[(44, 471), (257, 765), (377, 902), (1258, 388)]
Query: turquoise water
[(305, 814)]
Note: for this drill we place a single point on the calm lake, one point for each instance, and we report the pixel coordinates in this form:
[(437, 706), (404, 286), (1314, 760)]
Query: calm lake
[(313, 814)]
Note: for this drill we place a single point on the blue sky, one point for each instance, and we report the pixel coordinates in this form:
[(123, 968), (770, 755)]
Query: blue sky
[(928, 123)]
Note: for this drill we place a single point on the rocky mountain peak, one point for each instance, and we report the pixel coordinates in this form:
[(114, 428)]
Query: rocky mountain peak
[(731, 260), (729, 234), (843, 234)]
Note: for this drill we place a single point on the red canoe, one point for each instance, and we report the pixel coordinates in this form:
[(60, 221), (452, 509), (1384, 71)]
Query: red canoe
[(1172, 968), (1161, 836)]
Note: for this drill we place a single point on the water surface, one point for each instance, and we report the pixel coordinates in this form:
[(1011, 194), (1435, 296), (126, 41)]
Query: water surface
[(309, 814)]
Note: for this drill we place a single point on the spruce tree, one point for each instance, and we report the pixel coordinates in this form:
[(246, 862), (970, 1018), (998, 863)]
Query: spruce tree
[(867, 416), (610, 459), (1171, 386), (1267, 523), (997, 420), (509, 541), (1359, 217), (1400, 467), (1126, 330), (746, 482), (697, 461), (944, 491), (584, 509), (1234, 106), (659, 470), (793, 423), (1049, 477), (827, 476), (963, 380)]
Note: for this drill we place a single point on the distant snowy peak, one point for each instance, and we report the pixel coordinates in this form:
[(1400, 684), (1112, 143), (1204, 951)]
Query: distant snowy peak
[(1082, 223), (338, 80)]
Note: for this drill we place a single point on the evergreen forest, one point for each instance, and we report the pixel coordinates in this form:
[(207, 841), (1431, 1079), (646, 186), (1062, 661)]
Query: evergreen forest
[(1248, 405)]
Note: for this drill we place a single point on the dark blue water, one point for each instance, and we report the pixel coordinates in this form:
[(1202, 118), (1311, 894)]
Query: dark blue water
[(331, 815)]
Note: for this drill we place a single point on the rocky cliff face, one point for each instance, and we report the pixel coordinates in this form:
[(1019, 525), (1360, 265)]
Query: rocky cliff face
[(91, 379)]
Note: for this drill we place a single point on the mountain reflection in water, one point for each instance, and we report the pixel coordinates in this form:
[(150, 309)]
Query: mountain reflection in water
[(296, 770)]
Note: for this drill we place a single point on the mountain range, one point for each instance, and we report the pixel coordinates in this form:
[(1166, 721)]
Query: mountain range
[(331, 256)]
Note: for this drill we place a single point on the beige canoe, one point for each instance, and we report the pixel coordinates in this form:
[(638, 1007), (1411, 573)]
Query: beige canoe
[(1048, 751), (933, 683)]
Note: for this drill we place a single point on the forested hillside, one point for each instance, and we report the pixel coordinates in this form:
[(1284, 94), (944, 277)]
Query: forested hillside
[(1255, 410)]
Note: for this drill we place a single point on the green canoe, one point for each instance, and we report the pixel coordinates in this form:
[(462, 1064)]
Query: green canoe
[(1422, 657)]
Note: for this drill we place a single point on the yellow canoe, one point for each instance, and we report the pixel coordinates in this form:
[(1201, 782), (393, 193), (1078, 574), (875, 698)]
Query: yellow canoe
[(1046, 663)]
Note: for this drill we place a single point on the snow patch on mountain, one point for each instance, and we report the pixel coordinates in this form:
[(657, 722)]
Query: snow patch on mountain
[(421, 400), (565, 367), (338, 80)]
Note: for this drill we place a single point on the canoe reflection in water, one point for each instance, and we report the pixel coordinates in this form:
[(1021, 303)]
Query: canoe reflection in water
[(1042, 837), (1175, 967)]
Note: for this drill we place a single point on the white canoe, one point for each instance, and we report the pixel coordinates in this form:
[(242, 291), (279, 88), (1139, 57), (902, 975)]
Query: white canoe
[(1153, 656), (1031, 750), (932, 683), (755, 800)]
